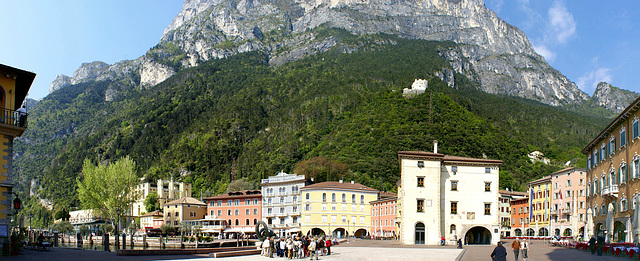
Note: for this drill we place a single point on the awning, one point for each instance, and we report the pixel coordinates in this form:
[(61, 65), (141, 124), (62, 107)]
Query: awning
[(293, 230)]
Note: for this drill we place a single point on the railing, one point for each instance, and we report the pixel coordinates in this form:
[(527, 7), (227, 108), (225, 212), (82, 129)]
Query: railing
[(282, 214), (11, 117), (610, 191), (295, 213), (566, 210)]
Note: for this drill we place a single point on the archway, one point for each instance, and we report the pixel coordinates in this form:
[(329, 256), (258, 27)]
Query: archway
[(360, 233), (517, 232), (531, 232), (556, 232), (478, 235), (619, 234), (543, 232), (316, 231), (419, 234), (567, 233), (339, 232)]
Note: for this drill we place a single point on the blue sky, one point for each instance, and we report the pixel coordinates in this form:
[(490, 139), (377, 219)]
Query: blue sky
[(588, 41)]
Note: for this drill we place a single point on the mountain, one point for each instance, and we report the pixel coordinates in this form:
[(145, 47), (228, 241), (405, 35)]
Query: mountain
[(612, 98), (493, 53)]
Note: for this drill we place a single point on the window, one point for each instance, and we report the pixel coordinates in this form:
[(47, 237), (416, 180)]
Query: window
[(324, 197), (487, 208), (295, 199), (219, 203), (255, 201), (237, 222), (454, 185), (454, 207), (420, 205), (219, 212), (333, 197), (324, 207), (269, 201), (229, 202), (247, 211), (569, 183), (247, 202), (452, 229), (255, 221), (353, 198), (229, 212), (307, 219), (255, 211), (487, 170), (307, 196), (237, 201), (361, 199), (334, 218), (246, 222), (307, 207), (487, 186), (281, 210), (344, 197), (454, 169), (623, 137), (324, 219), (362, 220), (269, 211), (281, 200), (237, 212), (420, 181)]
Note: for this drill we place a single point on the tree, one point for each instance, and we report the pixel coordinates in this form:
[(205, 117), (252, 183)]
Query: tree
[(62, 214), (322, 169), (106, 228), (62, 226), (108, 189), (167, 228), (240, 185), (151, 202)]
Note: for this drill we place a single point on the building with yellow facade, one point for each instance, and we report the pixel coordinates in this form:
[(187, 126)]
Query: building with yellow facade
[(184, 209), (539, 191), (14, 86), (337, 208)]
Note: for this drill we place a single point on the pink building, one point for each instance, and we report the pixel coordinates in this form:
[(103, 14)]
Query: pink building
[(568, 202), (241, 211), (383, 215)]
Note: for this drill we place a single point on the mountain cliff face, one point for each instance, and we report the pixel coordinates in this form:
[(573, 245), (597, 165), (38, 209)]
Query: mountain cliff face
[(612, 98), (491, 52)]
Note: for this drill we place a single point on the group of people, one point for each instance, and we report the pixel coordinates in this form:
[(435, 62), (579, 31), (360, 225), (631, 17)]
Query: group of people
[(296, 247), (500, 253), (596, 244)]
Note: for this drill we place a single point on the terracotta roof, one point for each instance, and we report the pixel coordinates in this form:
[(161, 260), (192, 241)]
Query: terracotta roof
[(185, 201), (386, 194), (338, 185), (154, 213), (447, 158), (567, 169), (512, 193), (624, 115), (238, 194), (384, 199), (540, 179)]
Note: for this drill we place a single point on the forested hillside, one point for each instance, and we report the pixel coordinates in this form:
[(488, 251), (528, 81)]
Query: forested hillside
[(241, 115)]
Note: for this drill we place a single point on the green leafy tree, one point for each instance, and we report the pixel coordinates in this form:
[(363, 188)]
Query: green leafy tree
[(240, 185), (62, 226), (108, 188), (322, 169), (151, 202), (106, 228), (62, 214), (167, 229)]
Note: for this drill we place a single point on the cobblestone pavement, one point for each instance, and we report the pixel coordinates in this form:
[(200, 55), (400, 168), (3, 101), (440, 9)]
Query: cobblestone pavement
[(355, 250)]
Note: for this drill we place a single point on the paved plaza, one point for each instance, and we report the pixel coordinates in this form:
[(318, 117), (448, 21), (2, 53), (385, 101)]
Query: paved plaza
[(357, 250)]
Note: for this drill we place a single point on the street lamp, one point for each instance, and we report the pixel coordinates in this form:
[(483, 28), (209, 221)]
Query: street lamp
[(117, 227)]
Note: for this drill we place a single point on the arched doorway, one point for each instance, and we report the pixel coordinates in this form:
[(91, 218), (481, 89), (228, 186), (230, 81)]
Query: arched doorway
[(531, 232), (316, 231), (567, 233), (420, 232), (360, 233), (478, 235), (339, 232), (518, 232), (618, 232), (543, 232)]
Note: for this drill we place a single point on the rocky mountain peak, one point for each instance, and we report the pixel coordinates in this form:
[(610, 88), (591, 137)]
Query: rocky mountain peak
[(612, 98)]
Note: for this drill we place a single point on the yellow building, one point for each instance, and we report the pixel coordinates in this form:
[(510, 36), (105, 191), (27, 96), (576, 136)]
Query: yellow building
[(337, 208), (14, 86), (539, 191), (187, 208)]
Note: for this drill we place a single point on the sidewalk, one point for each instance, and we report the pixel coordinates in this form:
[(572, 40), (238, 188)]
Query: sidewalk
[(537, 252)]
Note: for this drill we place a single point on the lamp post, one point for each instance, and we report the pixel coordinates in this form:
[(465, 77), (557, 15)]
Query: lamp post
[(117, 228)]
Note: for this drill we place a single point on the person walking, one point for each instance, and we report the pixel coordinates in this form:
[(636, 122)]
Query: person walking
[(499, 253), (459, 242), (312, 249), (525, 249), (592, 244), (327, 244), (516, 248), (600, 244)]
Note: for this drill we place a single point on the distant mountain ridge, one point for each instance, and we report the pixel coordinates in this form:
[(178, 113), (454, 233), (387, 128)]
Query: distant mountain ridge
[(612, 98), (490, 51)]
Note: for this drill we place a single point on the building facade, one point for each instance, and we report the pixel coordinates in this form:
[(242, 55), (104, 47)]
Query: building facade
[(447, 196), (187, 208), (240, 211), (613, 175), (281, 202), (383, 217), (14, 86), (568, 202), (520, 216), (504, 206), (165, 190), (337, 208), (540, 201), (151, 221)]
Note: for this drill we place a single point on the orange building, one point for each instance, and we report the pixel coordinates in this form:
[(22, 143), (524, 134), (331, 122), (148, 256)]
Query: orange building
[(384, 212), (241, 211), (520, 216)]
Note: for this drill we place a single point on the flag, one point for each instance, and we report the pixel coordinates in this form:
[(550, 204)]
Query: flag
[(530, 204)]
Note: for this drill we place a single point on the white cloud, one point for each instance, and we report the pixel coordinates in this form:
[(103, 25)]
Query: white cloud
[(561, 24), (497, 5), (590, 80), (533, 17), (549, 55)]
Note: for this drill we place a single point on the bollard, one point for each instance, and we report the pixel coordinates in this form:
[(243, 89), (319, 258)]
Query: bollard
[(124, 240), (144, 241), (131, 239), (105, 241)]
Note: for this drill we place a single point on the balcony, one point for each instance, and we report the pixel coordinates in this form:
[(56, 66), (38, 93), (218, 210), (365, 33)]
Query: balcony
[(282, 214), (567, 211), (610, 192), (270, 215), (295, 213), (12, 123)]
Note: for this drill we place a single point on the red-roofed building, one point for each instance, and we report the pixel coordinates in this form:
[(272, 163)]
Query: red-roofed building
[(384, 212), (241, 211)]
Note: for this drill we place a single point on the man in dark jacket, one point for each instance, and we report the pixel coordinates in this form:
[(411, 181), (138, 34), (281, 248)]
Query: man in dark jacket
[(499, 253), (592, 244), (600, 245)]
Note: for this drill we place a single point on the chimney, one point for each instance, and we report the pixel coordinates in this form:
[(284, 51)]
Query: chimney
[(352, 182), (341, 181), (435, 146)]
